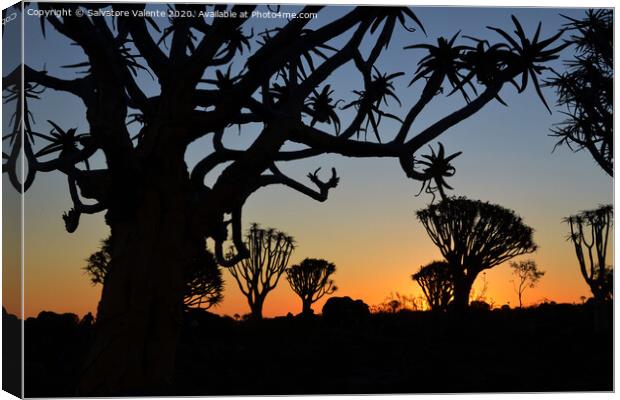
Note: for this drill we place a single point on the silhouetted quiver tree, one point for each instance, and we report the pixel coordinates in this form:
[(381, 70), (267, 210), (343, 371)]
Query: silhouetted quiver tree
[(473, 236), (174, 78), (437, 282), (259, 273), (586, 89), (310, 280), (589, 232), (203, 277)]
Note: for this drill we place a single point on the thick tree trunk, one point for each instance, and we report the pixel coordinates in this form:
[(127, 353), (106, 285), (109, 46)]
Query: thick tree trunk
[(601, 319), (140, 312), (139, 315), (307, 307), (256, 309), (462, 289)]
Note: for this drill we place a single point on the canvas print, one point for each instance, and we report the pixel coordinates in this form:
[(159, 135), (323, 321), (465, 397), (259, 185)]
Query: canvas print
[(257, 199)]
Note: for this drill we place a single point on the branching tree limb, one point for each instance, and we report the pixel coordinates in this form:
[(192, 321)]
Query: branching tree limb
[(259, 273), (589, 232), (527, 275)]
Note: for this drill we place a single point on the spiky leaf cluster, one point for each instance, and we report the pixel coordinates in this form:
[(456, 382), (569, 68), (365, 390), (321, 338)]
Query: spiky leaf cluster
[(585, 89), (437, 169), (322, 108), (378, 92), (490, 64)]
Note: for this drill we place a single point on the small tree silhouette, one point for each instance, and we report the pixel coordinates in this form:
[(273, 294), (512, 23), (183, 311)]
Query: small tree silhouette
[(310, 280), (437, 282), (589, 232), (586, 89), (269, 253), (473, 236), (203, 277), (527, 275)]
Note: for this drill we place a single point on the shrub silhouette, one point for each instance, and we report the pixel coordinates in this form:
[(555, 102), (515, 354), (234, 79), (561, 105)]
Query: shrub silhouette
[(586, 89), (173, 78), (203, 279), (257, 275), (479, 305), (437, 282), (473, 236), (310, 281), (589, 232), (397, 302)]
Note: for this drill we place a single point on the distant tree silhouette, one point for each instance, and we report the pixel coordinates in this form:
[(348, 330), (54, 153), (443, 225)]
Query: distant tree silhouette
[(527, 275), (437, 282), (203, 279), (174, 79), (589, 232), (586, 88), (473, 236), (310, 280), (257, 275)]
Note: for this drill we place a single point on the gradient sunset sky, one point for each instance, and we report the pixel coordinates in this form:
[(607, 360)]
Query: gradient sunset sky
[(368, 226)]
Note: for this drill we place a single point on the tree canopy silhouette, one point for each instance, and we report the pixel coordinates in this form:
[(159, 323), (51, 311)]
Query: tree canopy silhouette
[(157, 209), (586, 89), (203, 278), (589, 232), (310, 281), (527, 275), (437, 282), (259, 273), (473, 236)]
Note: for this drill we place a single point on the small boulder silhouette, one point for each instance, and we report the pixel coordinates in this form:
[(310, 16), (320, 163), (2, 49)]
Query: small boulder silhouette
[(479, 305), (345, 310)]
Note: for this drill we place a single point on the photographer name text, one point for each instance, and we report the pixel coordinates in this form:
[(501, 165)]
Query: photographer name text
[(171, 13)]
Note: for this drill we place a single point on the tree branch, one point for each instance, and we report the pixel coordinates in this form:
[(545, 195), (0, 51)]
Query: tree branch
[(433, 131), (321, 195), (78, 87), (154, 57)]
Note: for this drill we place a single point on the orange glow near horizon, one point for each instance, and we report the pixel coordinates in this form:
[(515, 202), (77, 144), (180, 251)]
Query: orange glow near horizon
[(374, 255), (367, 227)]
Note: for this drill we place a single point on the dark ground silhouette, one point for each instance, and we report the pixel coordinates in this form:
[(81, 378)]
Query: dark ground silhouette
[(549, 348), (11, 354)]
